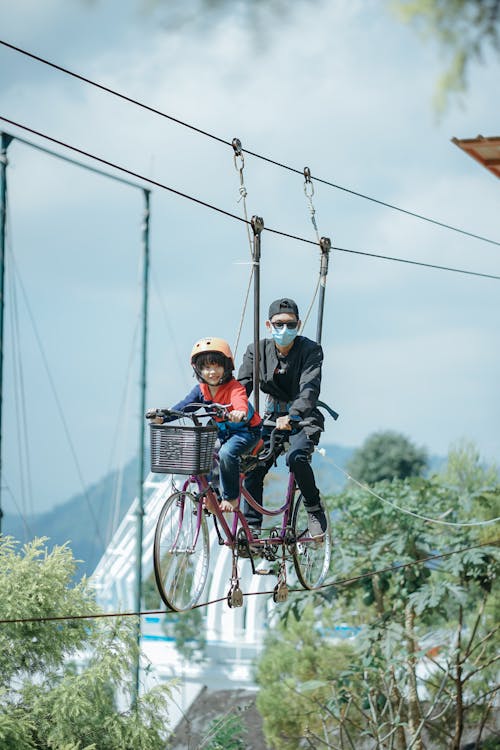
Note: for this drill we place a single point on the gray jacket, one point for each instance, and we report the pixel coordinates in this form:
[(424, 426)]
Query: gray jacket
[(304, 362)]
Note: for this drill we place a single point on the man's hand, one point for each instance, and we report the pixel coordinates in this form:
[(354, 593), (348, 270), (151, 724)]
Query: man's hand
[(283, 423), (237, 416)]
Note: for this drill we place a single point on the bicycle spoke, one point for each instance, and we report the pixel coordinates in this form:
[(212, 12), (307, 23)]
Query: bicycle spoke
[(181, 552), (311, 558)]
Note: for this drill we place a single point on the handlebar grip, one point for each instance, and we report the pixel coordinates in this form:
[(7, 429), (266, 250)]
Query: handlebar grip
[(272, 450)]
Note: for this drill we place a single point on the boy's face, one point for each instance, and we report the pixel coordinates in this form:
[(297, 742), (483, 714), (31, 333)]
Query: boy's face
[(212, 373)]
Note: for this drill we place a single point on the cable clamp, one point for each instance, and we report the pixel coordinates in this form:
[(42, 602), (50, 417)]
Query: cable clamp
[(238, 155), (257, 223), (308, 186), (236, 144)]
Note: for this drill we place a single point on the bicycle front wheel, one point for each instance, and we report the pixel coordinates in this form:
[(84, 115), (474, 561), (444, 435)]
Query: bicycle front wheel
[(181, 551), (311, 558)]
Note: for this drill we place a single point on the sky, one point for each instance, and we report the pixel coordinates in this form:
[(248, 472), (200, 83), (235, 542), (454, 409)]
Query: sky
[(341, 87)]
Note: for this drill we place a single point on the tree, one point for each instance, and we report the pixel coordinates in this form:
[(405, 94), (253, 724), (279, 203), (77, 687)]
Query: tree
[(466, 472), (463, 28), (387, 455), (294, 674), (423, 668), (59, 679)]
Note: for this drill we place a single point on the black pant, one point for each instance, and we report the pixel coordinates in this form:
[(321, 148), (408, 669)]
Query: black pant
[(297, 460)]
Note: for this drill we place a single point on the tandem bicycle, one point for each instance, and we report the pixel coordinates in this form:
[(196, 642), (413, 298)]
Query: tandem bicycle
[(182, 541)]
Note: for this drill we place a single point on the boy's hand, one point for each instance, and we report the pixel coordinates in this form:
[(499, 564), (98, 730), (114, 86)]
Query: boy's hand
[(237, 416)]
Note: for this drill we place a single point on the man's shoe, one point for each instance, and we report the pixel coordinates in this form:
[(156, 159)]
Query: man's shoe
[(317, 524)]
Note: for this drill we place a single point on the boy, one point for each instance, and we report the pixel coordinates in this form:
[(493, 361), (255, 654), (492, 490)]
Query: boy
[(213, 364)]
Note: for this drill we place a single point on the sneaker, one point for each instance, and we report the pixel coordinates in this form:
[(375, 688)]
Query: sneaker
[(317, 524)]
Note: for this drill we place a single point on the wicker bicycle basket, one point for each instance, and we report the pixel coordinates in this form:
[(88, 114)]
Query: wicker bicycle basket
[(182, 449)]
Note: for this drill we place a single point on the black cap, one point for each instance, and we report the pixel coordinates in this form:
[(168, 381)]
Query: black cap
[(284, 305)]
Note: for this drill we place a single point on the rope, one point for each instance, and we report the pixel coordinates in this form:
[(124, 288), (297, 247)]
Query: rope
[(338, 582), (120, 432), (27, 528), (238, 218), (18, 379), (267, 159), (410, 512), (309, 192), (59, 406), (238, 154)]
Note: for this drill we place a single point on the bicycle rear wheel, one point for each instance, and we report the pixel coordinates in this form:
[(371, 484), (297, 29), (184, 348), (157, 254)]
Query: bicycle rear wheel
[(181, 551), (311, 559)]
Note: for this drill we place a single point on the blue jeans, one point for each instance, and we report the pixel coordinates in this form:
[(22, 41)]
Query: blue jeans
[(229, 459)]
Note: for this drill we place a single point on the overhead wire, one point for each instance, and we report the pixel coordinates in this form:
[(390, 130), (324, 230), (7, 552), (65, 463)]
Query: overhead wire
[(239, 218), (332, 584), (295, 237), (255, 154)]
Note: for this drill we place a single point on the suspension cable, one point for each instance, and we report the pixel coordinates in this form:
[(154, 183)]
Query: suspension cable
[(331, 584), (267, 159), (410, 512), (238, 218)]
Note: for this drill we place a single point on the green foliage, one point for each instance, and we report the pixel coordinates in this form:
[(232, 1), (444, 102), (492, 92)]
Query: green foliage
[(427, 630), (295, 675), (463, 29), (48, 702), (466, 473), (386, 455), (226, 733)]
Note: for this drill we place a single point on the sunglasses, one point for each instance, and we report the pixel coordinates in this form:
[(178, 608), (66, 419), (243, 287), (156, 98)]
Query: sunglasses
[(280, 325)]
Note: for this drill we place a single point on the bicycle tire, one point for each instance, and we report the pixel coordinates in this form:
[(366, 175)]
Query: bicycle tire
[(181, 551), (311, 559)]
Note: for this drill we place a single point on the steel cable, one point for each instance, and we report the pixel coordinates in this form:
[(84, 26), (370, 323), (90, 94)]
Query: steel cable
[(267, 159)]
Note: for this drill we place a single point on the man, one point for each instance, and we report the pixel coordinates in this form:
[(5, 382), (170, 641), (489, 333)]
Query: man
[(290, 376)]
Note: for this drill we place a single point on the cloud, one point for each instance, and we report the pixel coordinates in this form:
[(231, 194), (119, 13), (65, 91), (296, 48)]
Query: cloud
[(345, 90)]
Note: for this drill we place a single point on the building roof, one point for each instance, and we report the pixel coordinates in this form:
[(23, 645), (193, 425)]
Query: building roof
[(484, 150)]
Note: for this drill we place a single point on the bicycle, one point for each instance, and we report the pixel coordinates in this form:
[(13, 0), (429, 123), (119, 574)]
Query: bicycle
[(181, 543)]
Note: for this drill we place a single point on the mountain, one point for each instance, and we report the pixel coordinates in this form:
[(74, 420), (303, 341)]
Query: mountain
[(86, 521)]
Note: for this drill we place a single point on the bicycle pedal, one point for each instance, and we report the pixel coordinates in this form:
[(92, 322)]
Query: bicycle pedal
[(264, 572)]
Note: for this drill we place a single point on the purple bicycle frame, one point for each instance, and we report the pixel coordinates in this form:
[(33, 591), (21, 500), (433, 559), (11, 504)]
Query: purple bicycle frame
[(230, 530)]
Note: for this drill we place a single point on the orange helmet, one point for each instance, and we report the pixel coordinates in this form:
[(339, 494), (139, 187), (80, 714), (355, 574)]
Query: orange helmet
[(212, 344), (218, 347)]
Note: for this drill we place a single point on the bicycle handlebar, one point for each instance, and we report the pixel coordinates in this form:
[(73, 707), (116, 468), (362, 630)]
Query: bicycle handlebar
[(211, 410)]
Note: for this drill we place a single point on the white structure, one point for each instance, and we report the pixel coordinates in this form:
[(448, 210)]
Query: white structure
[(234, 637)]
